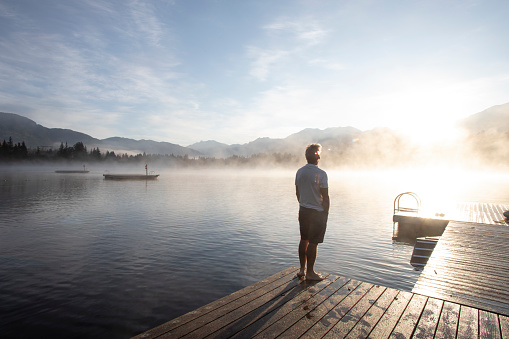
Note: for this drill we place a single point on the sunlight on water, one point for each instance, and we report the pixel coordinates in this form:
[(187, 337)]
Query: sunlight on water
[(440, 190), (124, 256)]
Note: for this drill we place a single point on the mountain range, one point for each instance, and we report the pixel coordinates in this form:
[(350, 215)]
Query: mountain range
[(493, 119), (34, 135)]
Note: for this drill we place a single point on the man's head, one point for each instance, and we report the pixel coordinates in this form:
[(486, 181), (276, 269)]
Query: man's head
[(313, 153)]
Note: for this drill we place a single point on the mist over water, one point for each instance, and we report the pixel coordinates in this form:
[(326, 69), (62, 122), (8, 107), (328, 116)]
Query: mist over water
[(83, 256)]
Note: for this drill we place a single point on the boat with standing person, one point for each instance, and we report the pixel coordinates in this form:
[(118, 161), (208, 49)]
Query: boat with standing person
[(146, 176)]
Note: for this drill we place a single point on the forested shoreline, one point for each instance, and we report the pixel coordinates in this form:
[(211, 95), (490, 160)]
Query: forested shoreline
[(377, 151), (11, 152)]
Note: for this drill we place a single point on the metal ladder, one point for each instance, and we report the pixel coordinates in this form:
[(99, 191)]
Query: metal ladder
[(401, 211)]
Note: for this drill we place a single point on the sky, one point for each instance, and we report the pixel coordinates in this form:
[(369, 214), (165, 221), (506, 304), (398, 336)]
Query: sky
[(184, 71)]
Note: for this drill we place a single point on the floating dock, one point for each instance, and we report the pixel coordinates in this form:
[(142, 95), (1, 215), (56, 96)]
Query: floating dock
[(462, 292)]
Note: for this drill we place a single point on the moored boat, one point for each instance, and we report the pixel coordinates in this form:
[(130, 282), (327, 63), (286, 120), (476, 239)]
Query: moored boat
[(71, 171), (146, 176), (131, 176)]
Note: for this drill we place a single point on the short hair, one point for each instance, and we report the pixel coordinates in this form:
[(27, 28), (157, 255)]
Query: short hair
[(312, 152)]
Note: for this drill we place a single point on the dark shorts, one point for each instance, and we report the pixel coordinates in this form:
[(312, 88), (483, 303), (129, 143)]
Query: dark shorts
[(312, 225)]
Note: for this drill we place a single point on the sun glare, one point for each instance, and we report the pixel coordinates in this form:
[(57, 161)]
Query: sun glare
[(431, 133), (439, 189)]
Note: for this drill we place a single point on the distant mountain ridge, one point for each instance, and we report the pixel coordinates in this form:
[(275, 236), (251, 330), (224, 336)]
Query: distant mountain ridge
[(337, 139), (35, 135), (493, 119), (24, 129), (292, 144)]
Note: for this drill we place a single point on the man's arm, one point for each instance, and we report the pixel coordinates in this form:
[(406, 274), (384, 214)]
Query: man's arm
[(325, 199), (297, 192)]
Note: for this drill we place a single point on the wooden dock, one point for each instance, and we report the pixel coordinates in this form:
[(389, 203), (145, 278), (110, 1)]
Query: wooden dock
[(470, 266), (410, 224), (463, 292), (285, 307), (482, 213)]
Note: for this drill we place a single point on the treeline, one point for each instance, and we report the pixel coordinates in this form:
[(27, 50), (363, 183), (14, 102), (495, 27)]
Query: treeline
[(11, 152), (376, 150), (19, 151)]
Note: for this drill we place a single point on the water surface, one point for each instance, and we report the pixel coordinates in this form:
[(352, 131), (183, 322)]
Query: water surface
[(81, 256)]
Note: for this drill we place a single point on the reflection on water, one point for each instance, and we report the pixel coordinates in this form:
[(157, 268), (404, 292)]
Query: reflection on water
[(83, 256)]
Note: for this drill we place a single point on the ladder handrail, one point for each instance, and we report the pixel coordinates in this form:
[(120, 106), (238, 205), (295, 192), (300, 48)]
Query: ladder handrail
[(407, 209)]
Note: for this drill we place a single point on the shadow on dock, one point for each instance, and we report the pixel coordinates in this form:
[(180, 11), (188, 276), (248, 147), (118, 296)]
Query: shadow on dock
[(282, 306)]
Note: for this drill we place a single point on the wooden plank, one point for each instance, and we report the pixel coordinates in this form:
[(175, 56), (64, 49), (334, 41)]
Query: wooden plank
[(368, 321), (488, 325), (448, 323), (429, 319), (406, 325), (390, 318), (504, 325), (468, 323), (494, 214)]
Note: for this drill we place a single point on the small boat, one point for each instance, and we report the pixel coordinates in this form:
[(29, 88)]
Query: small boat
[(130, 176), (84, 170), (146, 176), (71, 171)]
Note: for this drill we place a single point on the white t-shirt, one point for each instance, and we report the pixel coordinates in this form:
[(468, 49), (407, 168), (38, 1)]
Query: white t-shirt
[(309, 179)]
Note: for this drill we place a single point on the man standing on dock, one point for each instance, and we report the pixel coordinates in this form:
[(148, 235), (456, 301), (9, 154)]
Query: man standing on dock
[(312, 189)]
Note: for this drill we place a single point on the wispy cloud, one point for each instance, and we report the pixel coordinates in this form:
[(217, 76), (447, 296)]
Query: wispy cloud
[(6, 11), (329, 64), (307, 31), (263, 60), (146, 21), (100, 6), (287, 39)]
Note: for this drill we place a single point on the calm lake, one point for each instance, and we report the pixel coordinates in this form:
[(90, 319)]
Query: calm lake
[(81, 256)]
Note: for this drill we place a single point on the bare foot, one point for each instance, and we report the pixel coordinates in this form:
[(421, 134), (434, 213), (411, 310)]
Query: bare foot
[(301, 274), (314, 277)]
